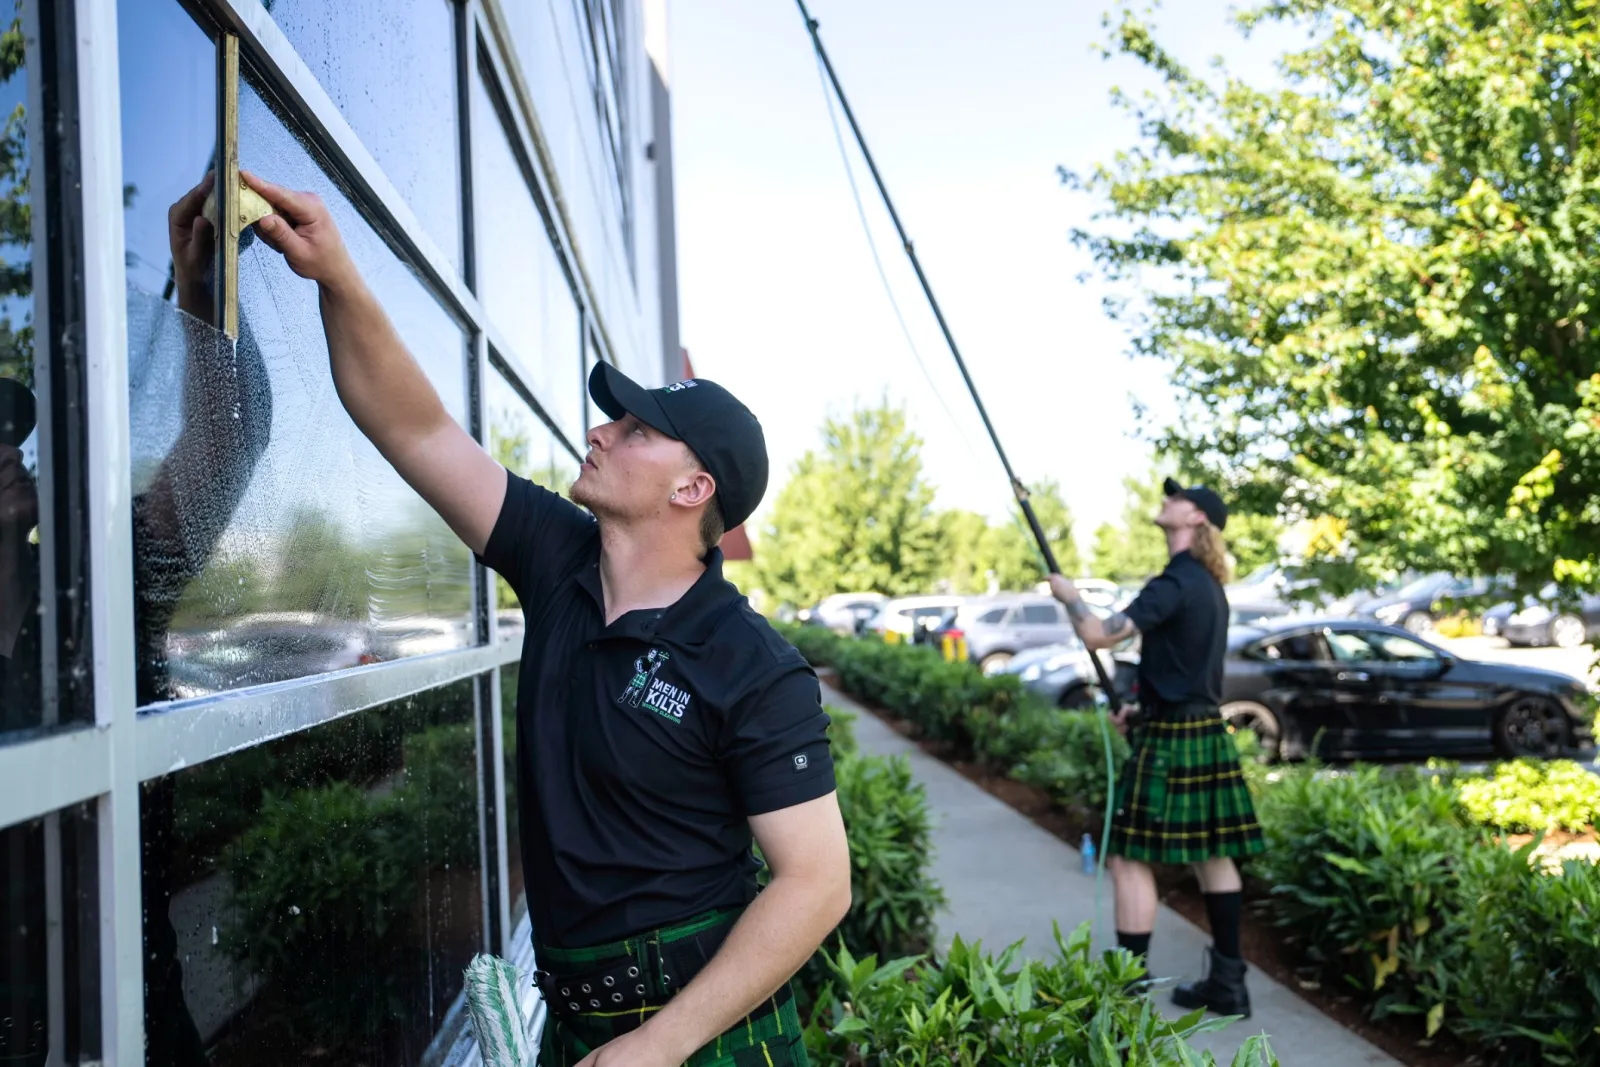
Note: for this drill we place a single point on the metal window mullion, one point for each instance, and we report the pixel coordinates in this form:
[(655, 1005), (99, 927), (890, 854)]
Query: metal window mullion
[(183, 734), (34, 776), (288, 76), (110, 547)]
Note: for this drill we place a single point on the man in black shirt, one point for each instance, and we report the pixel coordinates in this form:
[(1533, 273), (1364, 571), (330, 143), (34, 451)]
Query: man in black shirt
[(662, 726), (1182, 797)]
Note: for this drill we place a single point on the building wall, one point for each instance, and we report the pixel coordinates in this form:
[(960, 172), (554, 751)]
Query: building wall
[(256, 800)]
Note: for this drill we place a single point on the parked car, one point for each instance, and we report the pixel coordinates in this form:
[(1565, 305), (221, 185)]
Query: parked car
[(998, 627), (1494, 620), (1344, 688), (1417, 605), (843, 613), (1544, 620), (1272, 583), (1062, 674), (902, 614)]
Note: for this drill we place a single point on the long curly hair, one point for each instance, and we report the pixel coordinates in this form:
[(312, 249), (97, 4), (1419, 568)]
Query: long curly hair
[(1207, 546)]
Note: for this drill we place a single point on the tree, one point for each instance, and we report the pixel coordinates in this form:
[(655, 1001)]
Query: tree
[(1136, 549), (856, 515), (16, 220), (1377, 288)]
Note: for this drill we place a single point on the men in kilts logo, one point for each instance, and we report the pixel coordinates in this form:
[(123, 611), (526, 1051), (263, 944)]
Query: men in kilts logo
[(662, 726), (1181, 797)]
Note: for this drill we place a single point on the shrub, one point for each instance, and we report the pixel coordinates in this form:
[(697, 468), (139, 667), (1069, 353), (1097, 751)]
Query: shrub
[(977, 1009), (1363, 866), (1527, 981), (1069, 759), (842, 732), (1531, 795)]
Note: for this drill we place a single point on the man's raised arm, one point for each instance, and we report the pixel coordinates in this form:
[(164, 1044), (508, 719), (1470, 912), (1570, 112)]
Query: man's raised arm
[(1095, 632), (380, 384)]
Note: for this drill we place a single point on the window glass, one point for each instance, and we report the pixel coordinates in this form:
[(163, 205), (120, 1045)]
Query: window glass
[(508, 724), (315, 898), (1300, 648), (521, 442), (271, 541), (592, 411), (1040, 615), (993, 617), (1395, 647), (390, 66), (520, 279), (1350, 647), (48, 907)]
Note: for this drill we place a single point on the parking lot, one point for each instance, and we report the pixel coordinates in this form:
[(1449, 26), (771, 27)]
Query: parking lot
[(1579, 662)]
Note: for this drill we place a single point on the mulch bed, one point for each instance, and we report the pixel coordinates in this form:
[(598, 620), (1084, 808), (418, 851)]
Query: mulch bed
[(1266, 946)]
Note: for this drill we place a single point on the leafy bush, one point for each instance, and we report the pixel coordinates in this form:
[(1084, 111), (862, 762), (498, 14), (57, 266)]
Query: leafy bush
[(1364, 867), (977, 1009), (1069, 759), (1530, 795), (1527, 980), (842, 732)]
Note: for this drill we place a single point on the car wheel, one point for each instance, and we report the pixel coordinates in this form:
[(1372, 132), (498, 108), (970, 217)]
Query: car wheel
[(1259, 719), (1418, 622), (1077, 695), (1568, 631), (995, 662), (1530, 726)]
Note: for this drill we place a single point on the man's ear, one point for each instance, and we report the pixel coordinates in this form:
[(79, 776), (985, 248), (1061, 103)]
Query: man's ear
[(696, 488)]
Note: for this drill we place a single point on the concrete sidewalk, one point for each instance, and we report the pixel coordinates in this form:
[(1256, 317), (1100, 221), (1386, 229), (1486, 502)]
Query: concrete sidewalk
[(1007, 880)]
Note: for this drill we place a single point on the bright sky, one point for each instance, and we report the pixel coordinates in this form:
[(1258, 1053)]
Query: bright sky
[(968, 109)]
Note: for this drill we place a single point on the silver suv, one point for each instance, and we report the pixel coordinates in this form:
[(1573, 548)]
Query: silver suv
[(998, 627)]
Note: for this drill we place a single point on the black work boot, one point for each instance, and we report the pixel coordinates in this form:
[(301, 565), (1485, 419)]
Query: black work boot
[(1221, 990)]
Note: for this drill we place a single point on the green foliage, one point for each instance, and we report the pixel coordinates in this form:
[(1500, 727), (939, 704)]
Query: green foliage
[(973, 1008), (1068, 758), (1252, 540), (1377, 287), (855, 516), (1530, 795), (842, 732), (1135, 549)]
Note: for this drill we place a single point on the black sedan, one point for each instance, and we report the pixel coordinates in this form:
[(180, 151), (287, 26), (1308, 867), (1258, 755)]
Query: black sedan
[(1344, 688)]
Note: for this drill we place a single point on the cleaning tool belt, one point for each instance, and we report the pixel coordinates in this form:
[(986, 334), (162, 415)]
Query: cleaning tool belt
[(642, 971)]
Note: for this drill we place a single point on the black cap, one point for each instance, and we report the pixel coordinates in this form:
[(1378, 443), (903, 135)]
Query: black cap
[(16, 412), (719, 430), (1209, 503)]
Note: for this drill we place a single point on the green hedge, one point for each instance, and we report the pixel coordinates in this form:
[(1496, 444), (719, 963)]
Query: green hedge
[(1390, 878), (972, 1008)]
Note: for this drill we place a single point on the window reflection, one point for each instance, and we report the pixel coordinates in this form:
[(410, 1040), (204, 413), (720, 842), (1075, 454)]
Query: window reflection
[(168, 77), (390, 66), (520, 279), (48, 892), (508, 724), (21, 638), (271, 540), (315, 899), (521, 442)]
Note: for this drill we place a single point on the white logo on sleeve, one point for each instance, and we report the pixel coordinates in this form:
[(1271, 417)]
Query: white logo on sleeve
[(801, 762)]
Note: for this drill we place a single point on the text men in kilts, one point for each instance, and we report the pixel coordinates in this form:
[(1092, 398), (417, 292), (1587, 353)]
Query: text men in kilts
[(1181, 797), (662, 726)]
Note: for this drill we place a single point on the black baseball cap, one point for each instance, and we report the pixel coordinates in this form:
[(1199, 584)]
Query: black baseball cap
[(722, 433), (1209, 503)]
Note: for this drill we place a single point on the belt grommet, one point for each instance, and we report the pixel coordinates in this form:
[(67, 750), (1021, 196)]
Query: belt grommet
[(616, 998), (586, 987), (633, 972), (639, 989), (594, 1003), (666, 979), (566, 992), (610, 981), (573, 1006)]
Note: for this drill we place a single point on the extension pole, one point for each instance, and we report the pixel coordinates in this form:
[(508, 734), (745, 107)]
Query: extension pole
[(1020, 490)]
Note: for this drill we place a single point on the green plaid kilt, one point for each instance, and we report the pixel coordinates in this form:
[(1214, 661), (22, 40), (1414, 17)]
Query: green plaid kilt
[(1182, 797), (770, 1036)]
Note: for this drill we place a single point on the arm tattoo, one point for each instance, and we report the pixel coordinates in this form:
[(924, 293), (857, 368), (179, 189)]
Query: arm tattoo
[(1077, 610), (1117, 626)]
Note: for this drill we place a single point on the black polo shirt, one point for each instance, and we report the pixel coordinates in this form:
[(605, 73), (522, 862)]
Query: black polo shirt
[(1182, 616), (643, 747)]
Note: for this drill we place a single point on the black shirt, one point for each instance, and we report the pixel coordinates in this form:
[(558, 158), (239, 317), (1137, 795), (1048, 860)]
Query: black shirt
[(1182, 616), (644, 746)]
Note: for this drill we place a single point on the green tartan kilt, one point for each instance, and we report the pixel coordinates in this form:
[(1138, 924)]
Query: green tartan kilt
[(1182, 797), (770, 1036)]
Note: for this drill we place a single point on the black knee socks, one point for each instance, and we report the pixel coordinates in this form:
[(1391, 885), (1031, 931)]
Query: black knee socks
[(1223, 911), (1138, 944)]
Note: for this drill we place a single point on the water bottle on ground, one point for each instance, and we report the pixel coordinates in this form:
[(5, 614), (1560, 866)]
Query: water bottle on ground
[(1087, 848)]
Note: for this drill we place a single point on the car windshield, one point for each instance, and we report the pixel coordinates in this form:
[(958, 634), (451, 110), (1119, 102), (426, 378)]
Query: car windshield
[(1427, 585)]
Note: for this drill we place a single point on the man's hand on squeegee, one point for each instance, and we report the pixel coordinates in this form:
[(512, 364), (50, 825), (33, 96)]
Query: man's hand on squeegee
[(302, 229)]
